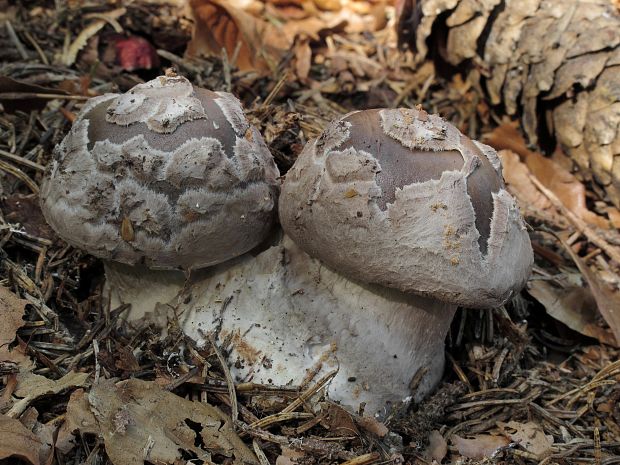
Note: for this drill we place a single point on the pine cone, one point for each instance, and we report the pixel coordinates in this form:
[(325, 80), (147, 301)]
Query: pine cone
[(554, 63)]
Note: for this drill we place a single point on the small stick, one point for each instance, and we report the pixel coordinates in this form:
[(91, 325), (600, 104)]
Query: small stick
[(587, 231), (26, 95), (310, 392), (231, 385), (262, 458), (280, 417), (19, 174), (22, 160), (365, 459), (13, 36)]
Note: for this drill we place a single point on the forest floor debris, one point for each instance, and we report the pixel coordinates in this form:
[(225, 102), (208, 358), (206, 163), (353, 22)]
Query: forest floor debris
[(522, 386)]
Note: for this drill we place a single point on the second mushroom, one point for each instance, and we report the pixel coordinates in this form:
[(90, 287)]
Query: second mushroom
[(391, 219)]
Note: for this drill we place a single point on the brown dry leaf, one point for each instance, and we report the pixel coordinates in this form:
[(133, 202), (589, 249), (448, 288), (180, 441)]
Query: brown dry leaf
[(340, 421), (437, 447), (221, 25), (17, 441), (77, 418), (372, 425), (479, 446), (531, 200), (573, 306), (289, 456), (23, 96), (530, 436), (139, 422), (560, 181), (608, 301), (12, 311), (30, 387), (46, 432)]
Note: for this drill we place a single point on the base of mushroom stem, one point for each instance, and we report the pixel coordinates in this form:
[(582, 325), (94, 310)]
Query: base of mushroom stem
[(288, 318)]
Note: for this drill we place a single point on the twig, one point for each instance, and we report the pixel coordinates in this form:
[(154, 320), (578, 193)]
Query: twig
[(578, 223), (19, 174), (26, 95), (309, 392), (262, 458), (280, 417), (18, 45), (22, 160), (365, 459), (229, 380)]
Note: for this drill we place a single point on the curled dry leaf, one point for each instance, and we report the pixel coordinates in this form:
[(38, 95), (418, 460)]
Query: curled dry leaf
[(573, 306), (340, 422), (608, 300), (219, 24), (530, 436), (18, 442), (30, 387), (531, 201), (12, 311), (479, 446), (140, 422), (372, 425), (437, 447), (554, 177)]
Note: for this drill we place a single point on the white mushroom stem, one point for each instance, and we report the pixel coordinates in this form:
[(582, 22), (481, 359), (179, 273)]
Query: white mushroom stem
[(288, 316)]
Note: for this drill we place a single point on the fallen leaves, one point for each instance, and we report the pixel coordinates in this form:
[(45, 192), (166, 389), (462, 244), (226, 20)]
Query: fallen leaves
[(12, 311), (258, 36), (552, 175), (24, 96), (530, 436), (572, 305), (480, 445), (140, 422), (549, 192), (31, 387), (252, 42), (607, 300), (17, 442), (437, 447)]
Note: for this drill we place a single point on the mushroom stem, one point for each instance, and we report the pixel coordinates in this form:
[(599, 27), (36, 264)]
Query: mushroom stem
[(140, 286), (288, 317)]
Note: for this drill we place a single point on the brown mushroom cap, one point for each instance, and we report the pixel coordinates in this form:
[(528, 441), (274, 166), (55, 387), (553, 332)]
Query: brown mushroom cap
[(403, 199), (167, 174)]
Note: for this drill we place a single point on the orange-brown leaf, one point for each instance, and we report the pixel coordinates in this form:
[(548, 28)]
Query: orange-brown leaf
[(17, 441), (12, 310), (219, 25), (554, 177), (608, 301)]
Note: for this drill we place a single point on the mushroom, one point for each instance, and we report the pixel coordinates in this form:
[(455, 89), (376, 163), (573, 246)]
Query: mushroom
[(402, 199), (392, 219), (166, 176)]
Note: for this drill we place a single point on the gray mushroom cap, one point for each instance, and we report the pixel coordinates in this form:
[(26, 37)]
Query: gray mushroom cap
[(167, 174), (402, 199)]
